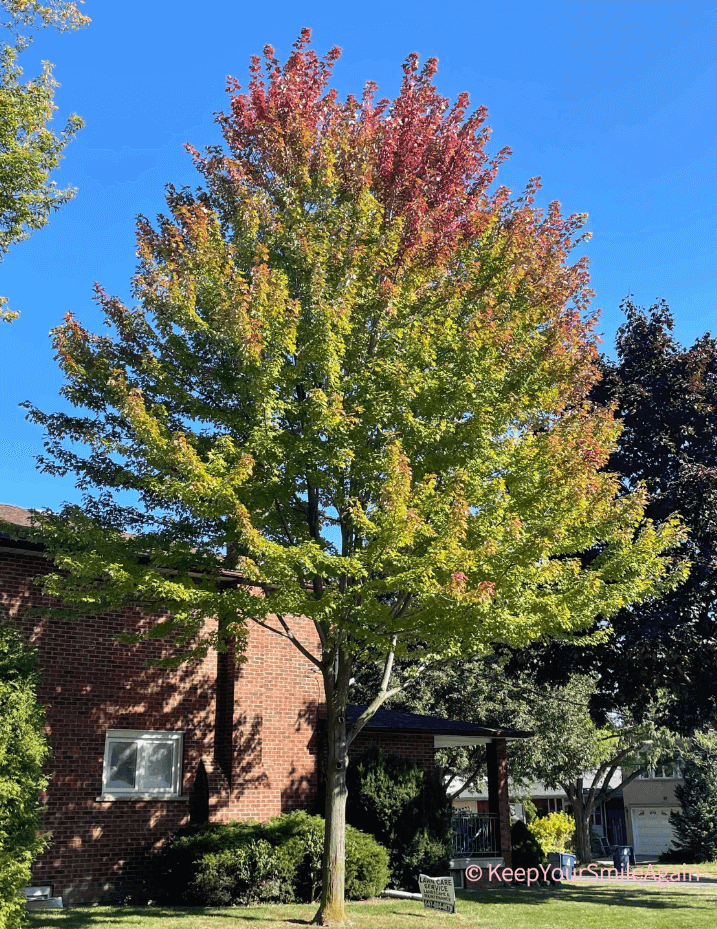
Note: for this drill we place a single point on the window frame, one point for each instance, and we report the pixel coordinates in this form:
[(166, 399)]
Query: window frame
[(142, 738), (664, 771)]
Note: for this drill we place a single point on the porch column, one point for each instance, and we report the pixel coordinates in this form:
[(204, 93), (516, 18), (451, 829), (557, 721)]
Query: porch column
[(498, 804)]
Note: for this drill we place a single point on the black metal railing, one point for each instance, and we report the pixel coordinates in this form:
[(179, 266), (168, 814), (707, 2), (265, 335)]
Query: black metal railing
[(475, 835)]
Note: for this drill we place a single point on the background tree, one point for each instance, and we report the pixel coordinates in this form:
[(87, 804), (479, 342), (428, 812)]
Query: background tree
[(359, 373), (23, 749), (696, 823), (590, 760), (590, 763), (666, 396), (29, 148)]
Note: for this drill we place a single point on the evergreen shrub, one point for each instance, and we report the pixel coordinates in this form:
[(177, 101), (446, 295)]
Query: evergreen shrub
[(23, 750), (406, 809), (244, 862), (526, 850), (696, 824)]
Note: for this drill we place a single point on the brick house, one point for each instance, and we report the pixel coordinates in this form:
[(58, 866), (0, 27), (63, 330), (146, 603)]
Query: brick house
[(138, 751)]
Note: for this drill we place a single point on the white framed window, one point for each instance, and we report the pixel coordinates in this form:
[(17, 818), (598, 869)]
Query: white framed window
[(670, 769), (142, 764)]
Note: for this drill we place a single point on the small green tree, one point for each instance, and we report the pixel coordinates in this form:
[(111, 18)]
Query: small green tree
[(696, 823), (29, 148), (23, 750)]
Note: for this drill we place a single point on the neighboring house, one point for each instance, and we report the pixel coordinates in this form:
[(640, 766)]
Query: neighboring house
[(649, 800), (608, 820), (546, 799), (138, 751)]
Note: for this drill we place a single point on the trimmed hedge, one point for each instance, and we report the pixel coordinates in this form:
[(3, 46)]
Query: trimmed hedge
[(244, 862), (23, 750)]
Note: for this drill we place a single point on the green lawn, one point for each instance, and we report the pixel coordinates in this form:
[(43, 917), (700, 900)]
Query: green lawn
[(598, 906), (707, 868)]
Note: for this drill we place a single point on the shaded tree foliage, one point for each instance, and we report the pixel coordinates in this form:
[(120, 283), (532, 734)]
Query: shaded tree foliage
[(666, 396), (696, 823), (23, 749)]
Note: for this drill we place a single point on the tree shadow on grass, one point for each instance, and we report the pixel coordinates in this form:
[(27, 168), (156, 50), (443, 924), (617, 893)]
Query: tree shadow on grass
[(649, 896), (93, 917)]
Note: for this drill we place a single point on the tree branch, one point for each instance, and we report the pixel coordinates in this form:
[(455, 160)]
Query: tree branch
[(282, 520), (288, 634), (473, 774), (384, 695)]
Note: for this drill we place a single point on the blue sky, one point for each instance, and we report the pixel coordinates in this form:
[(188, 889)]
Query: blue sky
[(613, 104)]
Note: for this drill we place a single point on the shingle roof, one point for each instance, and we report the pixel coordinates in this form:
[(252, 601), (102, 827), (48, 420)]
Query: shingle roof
[(15, 515), (21, 520), (434, 725)]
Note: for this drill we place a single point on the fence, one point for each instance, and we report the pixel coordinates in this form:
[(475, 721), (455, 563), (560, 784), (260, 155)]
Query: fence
[(475, 835)]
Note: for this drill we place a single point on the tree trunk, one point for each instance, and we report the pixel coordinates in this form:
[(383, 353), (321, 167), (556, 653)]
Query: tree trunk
[(336, 683), (581, 814), (582, 832)]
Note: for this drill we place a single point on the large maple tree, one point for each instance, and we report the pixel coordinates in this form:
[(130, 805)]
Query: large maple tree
[(358, 371)]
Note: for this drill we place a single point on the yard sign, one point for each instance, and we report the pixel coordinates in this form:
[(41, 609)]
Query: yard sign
[(438, 893)]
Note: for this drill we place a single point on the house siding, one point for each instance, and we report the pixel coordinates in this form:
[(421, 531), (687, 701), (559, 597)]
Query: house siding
[(651, 792), (259, 750), (655, 792)]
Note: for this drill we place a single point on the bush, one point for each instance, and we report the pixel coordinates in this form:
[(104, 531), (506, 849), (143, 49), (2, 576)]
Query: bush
[(23, 750), (406, 809), (367, 871), (696, 824), (526, 850), (239, 863), (252, 873), (554, 832)]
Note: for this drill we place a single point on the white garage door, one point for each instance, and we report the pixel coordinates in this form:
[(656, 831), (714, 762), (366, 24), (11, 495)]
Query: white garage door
[(651, 829)]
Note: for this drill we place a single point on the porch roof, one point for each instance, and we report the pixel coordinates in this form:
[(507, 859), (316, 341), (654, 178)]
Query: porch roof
[(446, 732)]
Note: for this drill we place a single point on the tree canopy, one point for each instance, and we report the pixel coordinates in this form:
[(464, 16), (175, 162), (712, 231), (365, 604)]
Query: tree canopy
[(29, 147), (666, 396), (357, 374)]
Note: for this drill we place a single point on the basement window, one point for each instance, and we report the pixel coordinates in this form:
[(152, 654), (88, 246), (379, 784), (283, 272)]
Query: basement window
[(141, 764)]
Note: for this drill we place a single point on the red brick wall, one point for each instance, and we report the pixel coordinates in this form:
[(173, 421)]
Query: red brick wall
[(417, 747), (91, 683)]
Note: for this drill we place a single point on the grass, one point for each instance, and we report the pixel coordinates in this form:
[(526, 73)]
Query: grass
[(707, 868), (594, 906)]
